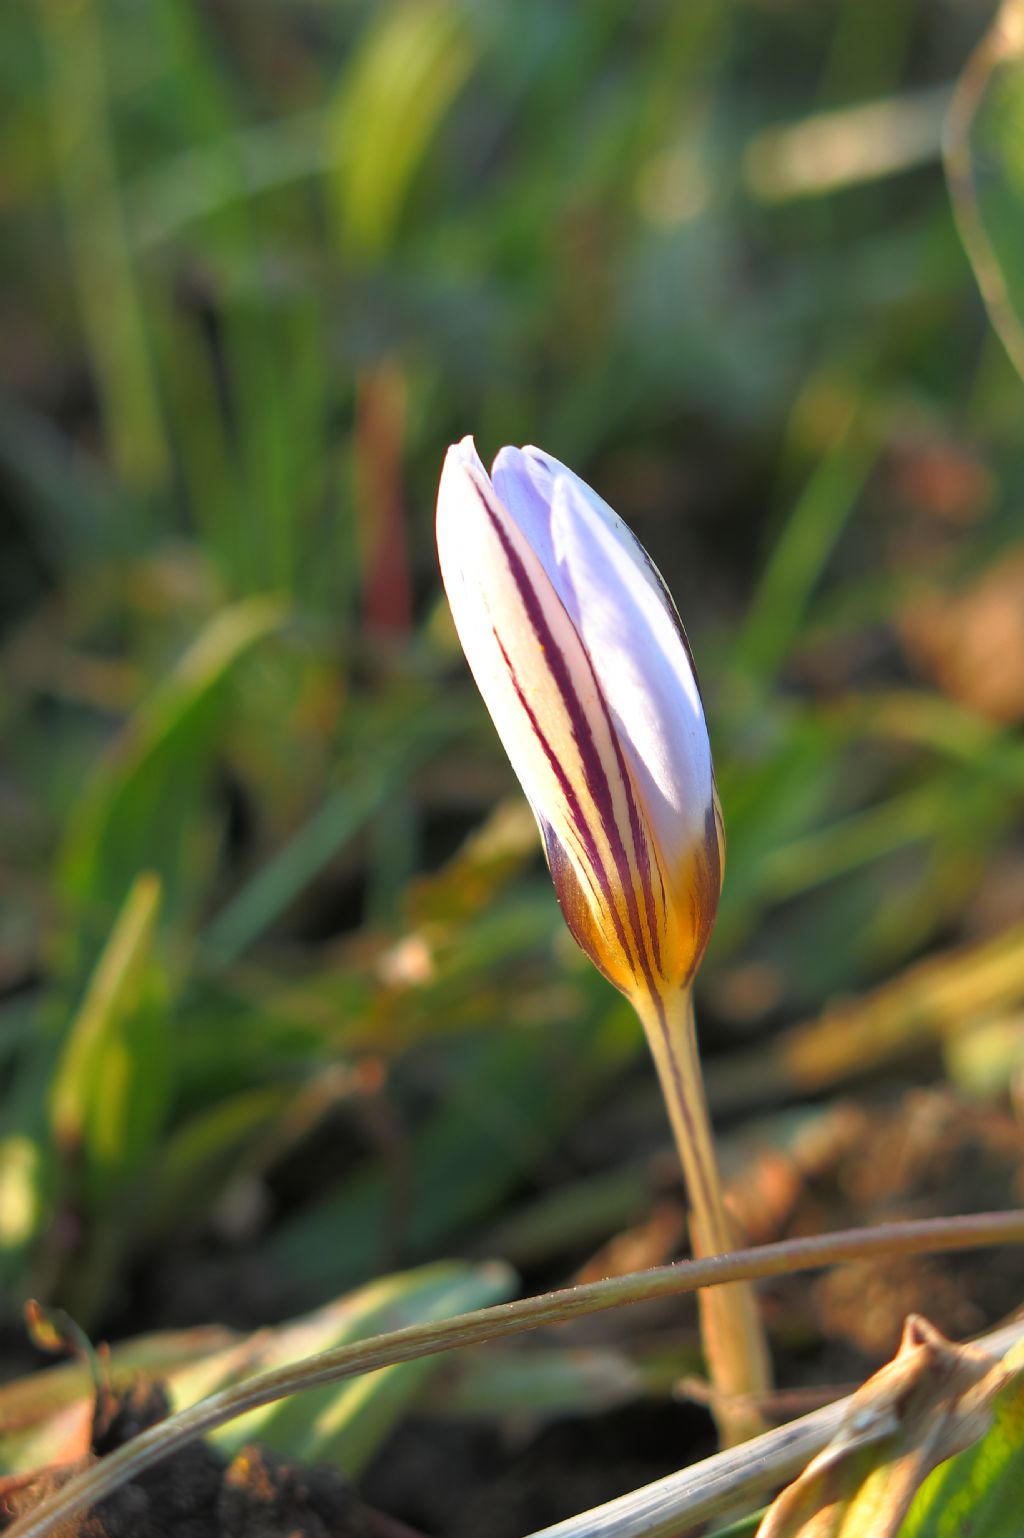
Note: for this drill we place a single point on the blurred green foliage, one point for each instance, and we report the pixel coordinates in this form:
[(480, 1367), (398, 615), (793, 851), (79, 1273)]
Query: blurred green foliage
[(262, 263)]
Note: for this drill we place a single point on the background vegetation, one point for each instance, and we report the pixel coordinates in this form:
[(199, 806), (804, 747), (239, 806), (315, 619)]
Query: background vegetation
[(287, 1004)]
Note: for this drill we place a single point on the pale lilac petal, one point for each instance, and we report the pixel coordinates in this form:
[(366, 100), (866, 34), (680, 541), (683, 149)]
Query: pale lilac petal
[(633, 638), (522, 485), (525, 480)]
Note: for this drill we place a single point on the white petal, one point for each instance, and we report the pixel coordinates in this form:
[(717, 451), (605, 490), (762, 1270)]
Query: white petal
[(631, 632), (525, 480), (487, 608), (620, 605), (539, 685), (464, 453)]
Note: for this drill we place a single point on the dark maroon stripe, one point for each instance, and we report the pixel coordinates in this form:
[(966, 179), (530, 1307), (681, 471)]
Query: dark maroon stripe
[(673, 612), (640, 846), (593, 768), (565, 785)]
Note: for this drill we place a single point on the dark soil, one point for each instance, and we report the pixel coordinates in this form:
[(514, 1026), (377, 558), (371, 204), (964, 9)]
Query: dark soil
[(197, 1493)]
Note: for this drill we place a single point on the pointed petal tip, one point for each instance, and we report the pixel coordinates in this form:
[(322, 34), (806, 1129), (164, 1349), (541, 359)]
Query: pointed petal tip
[(507, 458), (517, 464), (465, 490), (549, 464), (527, 459), (464, 452), (461, 462)]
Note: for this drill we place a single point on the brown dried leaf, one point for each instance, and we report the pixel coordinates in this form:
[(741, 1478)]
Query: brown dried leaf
[(931, 1401)]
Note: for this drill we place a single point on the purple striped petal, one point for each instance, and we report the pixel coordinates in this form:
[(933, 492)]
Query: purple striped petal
[(579, 656), (622, 611), (525, 481), (538, 685), (644, 670)]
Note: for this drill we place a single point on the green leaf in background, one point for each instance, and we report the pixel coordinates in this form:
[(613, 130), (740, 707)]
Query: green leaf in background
[(202, 1151), (44, 1418), (777, 610), (87, 1104), (111, 1085), (546, 1382), (81, 516), (498, 1119), (107, 1088), (110, 302), (411, 61), (346, 1423), (24, 1187), (334, 823), (140, 809)]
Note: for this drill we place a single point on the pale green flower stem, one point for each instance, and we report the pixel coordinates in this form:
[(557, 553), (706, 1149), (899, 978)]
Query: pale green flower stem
[(735, 1347)]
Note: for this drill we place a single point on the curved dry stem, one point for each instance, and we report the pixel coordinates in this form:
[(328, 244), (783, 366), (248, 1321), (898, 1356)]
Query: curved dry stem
[(924, 1236)]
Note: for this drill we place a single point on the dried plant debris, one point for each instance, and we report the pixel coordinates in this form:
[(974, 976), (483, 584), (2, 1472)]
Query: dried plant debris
[(932, 1400), (196, 1493)]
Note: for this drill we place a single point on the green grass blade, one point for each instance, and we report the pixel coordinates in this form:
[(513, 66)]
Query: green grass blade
[(411, 61), (111, 305), (95, 1111), (139, 809), (779, 606)]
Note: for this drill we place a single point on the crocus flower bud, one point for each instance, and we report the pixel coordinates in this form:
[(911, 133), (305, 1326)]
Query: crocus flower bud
[(582, 661)]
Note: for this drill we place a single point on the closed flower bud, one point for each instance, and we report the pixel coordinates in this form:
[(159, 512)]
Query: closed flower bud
[(580, 656)]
